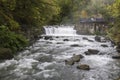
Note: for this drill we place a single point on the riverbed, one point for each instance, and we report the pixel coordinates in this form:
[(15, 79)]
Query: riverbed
[(45, 60)]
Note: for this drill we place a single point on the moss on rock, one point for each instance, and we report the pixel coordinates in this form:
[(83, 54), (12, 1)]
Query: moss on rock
[(5, 53)]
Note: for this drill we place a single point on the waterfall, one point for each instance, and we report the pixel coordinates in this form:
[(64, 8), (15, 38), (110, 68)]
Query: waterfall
[(60, 30)]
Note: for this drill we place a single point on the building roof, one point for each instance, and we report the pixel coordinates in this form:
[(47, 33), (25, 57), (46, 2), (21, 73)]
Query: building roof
[(93, 20)]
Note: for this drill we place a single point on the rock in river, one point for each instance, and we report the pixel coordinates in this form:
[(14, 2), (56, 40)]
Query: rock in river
[(85, 38), (104, 45), (83, 67), (116, 57), (73, 59), (69, 62), (75, 45), (48, 38), (91, 51), (5, 53), (65, 39), (98, 38), (76, 58)]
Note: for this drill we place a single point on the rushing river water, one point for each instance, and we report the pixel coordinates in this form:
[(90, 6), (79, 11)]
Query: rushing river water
[(44, 60)]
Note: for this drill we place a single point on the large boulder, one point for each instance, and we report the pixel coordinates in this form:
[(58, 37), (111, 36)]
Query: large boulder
[(113, 44), (57, 36), (118, 50), (60, 43), (69, 62), (48, 42), (91, 51), (48, 38), (104, 45), (116, 57), (118, 47), (75, 45), (5, 53), (43, 57), (85, 38), (65, 39), (76, 58), (83, 67), (98, 38), (73, 59), (90, 40)]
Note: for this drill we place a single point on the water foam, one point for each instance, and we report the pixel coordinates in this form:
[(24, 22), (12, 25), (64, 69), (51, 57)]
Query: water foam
[(60, 31)]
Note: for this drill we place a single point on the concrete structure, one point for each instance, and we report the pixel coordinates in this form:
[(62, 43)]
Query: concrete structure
[(92, 26)]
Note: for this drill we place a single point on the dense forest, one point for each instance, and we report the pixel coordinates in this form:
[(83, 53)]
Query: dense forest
[(21, 21)]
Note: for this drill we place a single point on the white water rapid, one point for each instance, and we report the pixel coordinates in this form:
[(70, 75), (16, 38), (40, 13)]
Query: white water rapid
[(45, 59), (60, 30)]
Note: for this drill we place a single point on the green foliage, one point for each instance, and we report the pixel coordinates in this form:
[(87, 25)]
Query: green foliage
[(67, 11), (35, 13), (11, 40), (114, 11), (72, 10), (6, 14)]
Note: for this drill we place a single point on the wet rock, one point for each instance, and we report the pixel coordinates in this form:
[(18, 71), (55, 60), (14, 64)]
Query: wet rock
[(104, 45), (91, 51), (40, 37), (73, 59), (118, 50), (98, 38), (51, 39), (5, 53), (69, 62), (85, 38), (87, 53), (48, 42), (83, 67), (65, 39), (118, 47), (90, 40), (57, 36), (104, 39), (116, 57), (48, 38), (102, 53), (44, 58), (76, 58), (75, 45), (59, 43), (77, 40), (112, 43)]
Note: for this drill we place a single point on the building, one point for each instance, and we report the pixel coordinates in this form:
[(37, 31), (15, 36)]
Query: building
[(92, 26)]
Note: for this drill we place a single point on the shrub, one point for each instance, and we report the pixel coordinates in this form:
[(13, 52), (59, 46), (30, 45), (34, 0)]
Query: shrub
[(11, 40)]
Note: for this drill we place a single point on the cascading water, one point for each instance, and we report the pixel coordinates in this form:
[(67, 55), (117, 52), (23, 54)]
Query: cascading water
[(60, 30), (44, 60)]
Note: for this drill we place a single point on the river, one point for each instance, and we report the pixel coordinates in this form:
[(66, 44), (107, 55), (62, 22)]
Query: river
[(45, 60)]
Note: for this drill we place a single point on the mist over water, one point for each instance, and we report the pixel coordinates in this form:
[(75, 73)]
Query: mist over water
[(44, 60)]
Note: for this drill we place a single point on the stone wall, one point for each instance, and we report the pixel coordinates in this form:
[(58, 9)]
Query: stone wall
[(90, 28)]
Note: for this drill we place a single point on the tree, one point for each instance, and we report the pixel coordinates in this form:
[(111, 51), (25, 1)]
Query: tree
[(6, 16), (18, 17), (35, 12), (114, 10), (68, 10)]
